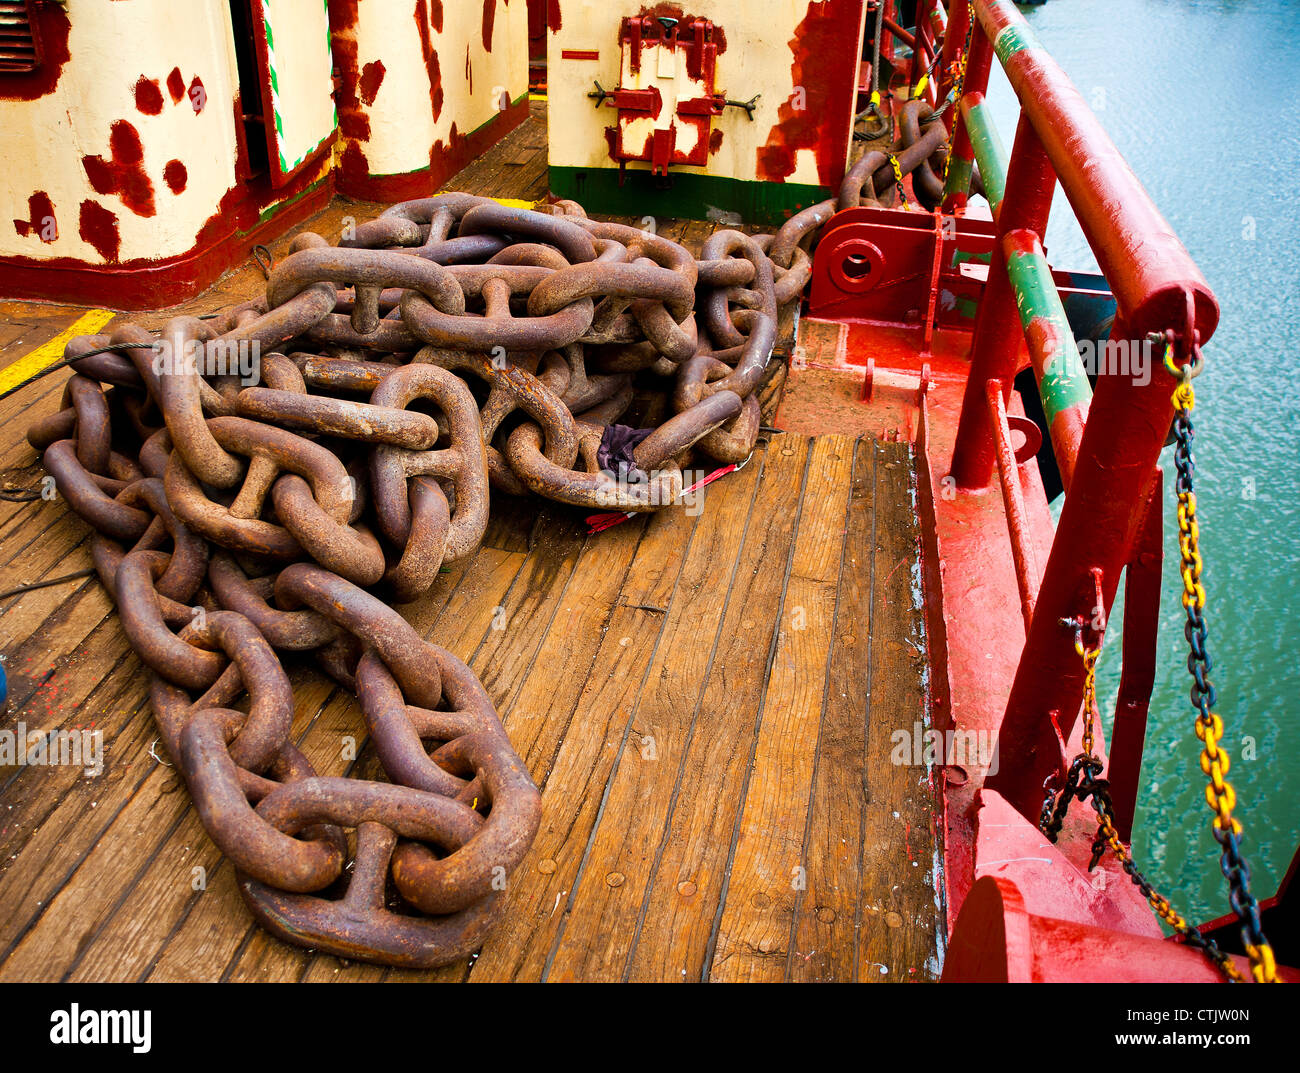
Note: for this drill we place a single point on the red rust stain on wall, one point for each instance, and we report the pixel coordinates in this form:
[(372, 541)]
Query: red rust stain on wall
[(435, 84), (553, 15), (50, 23), (198, 95), (816, 115), (430, 56), (435, 14), (40, 218), (489, 20), (354, 165), (354, 124), (148, 96), (98, 226), (372, 77), (123, 173), (715, 141), (176, 175), (176, 85), (342, 15)]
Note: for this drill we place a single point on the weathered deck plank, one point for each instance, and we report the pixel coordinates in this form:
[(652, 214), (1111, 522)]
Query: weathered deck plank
[(826, 911), (599, 929), (599, 726), (767, 867)]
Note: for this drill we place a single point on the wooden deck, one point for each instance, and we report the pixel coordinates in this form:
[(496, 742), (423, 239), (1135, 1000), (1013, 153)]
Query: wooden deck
[(707, 699)]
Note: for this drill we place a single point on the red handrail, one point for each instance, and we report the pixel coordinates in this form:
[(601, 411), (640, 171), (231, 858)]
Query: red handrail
[(1158, 289)]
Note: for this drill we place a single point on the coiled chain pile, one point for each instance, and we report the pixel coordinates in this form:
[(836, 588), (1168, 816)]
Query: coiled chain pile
[(241, 518)]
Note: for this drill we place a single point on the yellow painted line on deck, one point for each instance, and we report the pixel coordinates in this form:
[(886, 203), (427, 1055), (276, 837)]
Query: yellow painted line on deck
[(513, 202), (47, 354), (537, 96)]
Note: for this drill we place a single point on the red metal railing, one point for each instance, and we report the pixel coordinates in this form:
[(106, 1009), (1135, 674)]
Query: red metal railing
[(1105, 524)]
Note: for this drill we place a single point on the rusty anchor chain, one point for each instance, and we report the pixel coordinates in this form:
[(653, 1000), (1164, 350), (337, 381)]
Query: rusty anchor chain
[(265, 483)]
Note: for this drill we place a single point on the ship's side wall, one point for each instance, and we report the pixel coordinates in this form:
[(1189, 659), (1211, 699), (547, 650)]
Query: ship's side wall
[(802, 60), (133, 146), (133, 180), (425, 88)]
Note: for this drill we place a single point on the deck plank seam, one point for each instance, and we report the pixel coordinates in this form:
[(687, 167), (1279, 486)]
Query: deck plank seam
[(16, 709), (866, 729), (73, 866), (84, 946)]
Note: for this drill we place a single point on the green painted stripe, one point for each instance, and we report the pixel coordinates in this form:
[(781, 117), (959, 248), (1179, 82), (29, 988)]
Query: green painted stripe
[(989, 152), (1064, 383), (279, 206), (959, 172), (691, 196), (1014, 37)]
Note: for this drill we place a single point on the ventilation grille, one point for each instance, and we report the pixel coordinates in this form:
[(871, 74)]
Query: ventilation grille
[(17, 45)]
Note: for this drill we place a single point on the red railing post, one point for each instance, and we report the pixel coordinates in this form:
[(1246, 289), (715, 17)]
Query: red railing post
[(1013, 501), (999, 339), (1098, 526), (954, 40), (1138, 675)]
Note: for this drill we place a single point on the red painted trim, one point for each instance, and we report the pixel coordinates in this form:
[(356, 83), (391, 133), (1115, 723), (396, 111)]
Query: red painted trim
[(279, 177), (142, 284), (356, 183), (579, 54)]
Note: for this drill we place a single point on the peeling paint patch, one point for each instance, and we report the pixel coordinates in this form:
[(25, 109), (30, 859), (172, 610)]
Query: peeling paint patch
[(148, 96), (430, 56), (489, 21), (40, 218), (98, 227), (176, 176), (176, 85), (123, 173), (198, 95), (372, 77)]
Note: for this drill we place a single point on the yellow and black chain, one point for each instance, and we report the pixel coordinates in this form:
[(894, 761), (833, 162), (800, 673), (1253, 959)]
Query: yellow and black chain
[(1082, 781), (1219, 793), (898, 181)]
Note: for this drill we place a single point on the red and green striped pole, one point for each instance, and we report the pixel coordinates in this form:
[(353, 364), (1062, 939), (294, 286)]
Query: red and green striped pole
[(987, 149), (1062, 380)]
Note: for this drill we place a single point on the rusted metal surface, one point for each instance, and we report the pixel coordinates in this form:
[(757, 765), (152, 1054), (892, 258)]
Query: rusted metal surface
[(273, 478)]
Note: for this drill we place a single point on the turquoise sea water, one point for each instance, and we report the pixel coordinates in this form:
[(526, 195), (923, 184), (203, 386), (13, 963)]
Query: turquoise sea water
[(1203, 98)]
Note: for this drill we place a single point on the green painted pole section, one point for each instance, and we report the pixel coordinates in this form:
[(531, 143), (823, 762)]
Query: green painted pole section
[(1062, 380), (989, 151)]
